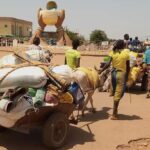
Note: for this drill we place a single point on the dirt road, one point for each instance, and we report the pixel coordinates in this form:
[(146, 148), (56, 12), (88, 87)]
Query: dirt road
[(94, 131)]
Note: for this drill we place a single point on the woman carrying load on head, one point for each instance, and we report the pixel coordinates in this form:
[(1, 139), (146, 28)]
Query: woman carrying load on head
[(119, 58)]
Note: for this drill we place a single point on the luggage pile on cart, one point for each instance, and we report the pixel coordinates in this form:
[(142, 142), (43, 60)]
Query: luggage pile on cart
[(30, 93)]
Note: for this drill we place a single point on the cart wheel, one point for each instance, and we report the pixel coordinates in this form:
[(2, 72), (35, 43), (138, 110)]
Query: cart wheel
[(2, 129), (55, 130)]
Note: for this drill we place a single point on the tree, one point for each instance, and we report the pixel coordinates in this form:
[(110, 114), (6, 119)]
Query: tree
[(72, 35), (97, 36)]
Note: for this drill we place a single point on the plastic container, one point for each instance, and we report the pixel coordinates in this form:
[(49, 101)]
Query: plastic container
[(39, 98), (76, 92), (5, 105), (32, 92)]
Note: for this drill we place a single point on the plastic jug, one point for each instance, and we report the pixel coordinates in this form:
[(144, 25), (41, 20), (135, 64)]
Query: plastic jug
[(76, 92)]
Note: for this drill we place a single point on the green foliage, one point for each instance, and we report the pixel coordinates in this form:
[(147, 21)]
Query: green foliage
[(111, 40), (73, 36), (97, 36)]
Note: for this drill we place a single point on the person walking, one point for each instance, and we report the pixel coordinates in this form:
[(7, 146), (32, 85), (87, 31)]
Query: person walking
[(72, 56), (119, 58)]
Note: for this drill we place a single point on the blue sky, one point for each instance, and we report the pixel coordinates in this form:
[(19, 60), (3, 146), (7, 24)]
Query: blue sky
[(115, 17)]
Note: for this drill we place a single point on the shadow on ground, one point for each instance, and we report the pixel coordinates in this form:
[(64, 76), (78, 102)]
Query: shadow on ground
[(103, 114), (78, 136), (98, 115), (11, 140), (136, 90), (129, 117)]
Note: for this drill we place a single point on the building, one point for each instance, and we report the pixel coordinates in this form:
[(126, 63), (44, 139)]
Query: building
[(12, 27)]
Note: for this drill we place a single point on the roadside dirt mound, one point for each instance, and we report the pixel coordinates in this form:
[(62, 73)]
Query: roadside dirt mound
[(138, 144)]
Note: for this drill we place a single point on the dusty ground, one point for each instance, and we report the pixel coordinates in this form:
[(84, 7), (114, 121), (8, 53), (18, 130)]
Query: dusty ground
[(95, 131)]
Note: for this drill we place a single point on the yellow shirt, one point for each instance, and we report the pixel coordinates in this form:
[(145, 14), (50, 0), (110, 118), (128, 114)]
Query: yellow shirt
[(71, 58), (119, 59), (134, 53)]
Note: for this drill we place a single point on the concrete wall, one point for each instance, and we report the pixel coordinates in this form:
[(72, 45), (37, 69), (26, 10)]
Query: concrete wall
[(5, 27), (15, 27)]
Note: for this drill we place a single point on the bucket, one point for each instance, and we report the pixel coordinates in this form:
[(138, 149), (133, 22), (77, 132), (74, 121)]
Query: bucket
[(76, 92), (49, 17), (5, 105)]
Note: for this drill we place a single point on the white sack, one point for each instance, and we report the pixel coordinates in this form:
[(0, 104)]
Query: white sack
[(37, 55), (23, 77), (34, 54), (9, 60), (64, 71), (70, 75), (132, 60)]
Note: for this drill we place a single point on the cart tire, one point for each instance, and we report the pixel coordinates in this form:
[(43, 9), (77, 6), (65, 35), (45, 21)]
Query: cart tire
[(2, 129), (55, 130)]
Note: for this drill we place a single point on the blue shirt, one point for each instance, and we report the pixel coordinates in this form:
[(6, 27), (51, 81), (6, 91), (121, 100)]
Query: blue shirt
[(147, 57), (135, 42)]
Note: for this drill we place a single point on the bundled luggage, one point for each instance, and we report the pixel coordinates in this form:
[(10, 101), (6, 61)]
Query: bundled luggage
[(22, 77), (35, 84), (9, 60), (31, 55)]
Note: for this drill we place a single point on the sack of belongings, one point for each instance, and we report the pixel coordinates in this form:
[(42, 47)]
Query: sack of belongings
[(64, 71), (34, 55), (38, 55), (31, 76), (14, 104), (133, 76), (35, 84), (9, 60)]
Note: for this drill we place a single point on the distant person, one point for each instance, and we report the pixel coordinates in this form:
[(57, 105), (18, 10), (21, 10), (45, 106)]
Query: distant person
[(72, 56), (147, 66), (119, 58), (136, 44), (126, 40), (35, 44), (130, 43)]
